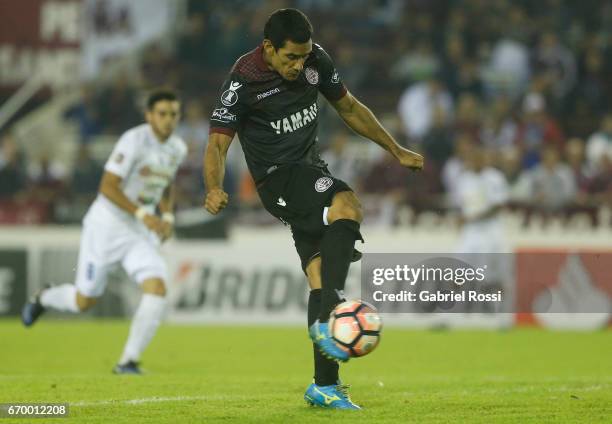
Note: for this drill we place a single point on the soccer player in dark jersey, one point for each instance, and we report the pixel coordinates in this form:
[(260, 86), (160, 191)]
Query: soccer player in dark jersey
[(270, 100)]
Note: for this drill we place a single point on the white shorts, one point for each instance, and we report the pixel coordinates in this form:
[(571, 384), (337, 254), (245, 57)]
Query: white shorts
[(108, 240)]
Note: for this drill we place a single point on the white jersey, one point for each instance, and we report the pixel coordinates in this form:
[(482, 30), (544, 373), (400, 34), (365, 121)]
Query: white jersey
[(146, 167), (476, 194), (480, 192)]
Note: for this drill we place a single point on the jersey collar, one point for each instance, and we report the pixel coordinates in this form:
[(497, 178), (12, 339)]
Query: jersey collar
[(154, 137), (259, 60)]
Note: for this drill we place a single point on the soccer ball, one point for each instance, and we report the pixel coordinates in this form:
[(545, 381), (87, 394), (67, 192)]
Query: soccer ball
[(355, 326)]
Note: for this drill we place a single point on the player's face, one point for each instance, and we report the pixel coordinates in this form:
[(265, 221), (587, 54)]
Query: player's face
[(164, 117), (288, 60)]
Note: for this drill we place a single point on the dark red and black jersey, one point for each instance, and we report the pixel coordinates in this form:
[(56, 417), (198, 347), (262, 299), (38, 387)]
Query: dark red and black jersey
[(276, 120)]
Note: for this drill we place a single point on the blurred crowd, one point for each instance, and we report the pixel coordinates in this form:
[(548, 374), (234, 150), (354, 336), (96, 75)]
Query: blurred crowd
[(528, 82)]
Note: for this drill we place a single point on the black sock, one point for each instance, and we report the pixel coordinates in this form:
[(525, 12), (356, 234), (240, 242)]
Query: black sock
[(326, 370), (336, 253)]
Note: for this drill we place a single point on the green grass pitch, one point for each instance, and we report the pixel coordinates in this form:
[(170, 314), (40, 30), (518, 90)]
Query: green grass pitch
[(239, 375)]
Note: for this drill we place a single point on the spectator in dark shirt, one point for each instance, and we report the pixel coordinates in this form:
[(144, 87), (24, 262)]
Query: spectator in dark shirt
[(12, 171), (537, 129), (86, 175)]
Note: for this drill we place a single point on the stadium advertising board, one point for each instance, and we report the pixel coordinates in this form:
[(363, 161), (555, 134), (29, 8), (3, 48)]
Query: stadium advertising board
[(39, 37), (556, 290), (229, 283), (12, 281), (239, 281), (564, 288)]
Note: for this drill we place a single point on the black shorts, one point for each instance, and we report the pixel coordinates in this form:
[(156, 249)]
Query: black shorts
[(297, 195)]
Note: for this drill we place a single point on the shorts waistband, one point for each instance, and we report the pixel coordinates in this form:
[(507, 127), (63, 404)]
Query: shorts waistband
[(269, 171)]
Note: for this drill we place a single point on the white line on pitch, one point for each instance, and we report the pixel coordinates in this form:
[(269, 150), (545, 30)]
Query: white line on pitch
[(154, 399)]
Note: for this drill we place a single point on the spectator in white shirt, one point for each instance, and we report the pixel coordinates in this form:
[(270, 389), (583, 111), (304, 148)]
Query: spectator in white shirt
[(599, 145), (417, 104), (552, 183)]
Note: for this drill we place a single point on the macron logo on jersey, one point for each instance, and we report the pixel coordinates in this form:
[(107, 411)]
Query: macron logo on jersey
[(268, 93), (295, 121)]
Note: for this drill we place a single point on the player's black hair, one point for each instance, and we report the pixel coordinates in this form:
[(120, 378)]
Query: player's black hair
[(287, 24), (161, 95)]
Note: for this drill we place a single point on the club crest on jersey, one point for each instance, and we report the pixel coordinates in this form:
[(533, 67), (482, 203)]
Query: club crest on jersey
[(323, 184), (335, 77), (229, 97), (312, 75)]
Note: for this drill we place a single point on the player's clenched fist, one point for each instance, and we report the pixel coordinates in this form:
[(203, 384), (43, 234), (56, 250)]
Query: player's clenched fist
[(216, 200), (409, 159), (166, 230), (153, 223)]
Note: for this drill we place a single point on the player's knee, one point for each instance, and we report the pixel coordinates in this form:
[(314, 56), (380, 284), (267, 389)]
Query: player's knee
[(345, 205), (154, 286), (354, 213), (84, 303)]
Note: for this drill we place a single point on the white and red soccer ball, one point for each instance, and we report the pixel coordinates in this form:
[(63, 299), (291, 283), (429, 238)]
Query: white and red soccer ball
[(355, 326)]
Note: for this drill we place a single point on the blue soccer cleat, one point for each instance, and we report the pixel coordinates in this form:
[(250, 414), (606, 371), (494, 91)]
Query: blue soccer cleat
[(32, 310), (130, 367), (319, 333), (333, 397)]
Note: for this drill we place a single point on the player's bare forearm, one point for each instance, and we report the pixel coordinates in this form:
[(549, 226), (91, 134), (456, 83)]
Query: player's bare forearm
[(110, 187), (214, 171), (166, 204), (166, 207), (361, 120), (214, 160), (489, 213)]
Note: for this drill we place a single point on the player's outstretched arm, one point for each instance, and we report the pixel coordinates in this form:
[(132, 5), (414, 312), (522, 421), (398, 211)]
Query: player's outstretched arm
[(214, 171), (361, 120), (110, 187), (489, 213), (166, 204)]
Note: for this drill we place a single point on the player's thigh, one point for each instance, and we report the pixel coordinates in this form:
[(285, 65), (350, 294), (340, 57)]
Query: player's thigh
[(143, 261), (93, 264), (345, 205), (309, 193), (314, 189)]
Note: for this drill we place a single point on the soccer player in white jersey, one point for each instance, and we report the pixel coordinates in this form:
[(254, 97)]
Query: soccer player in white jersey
[(480, 193), (123, 227)]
